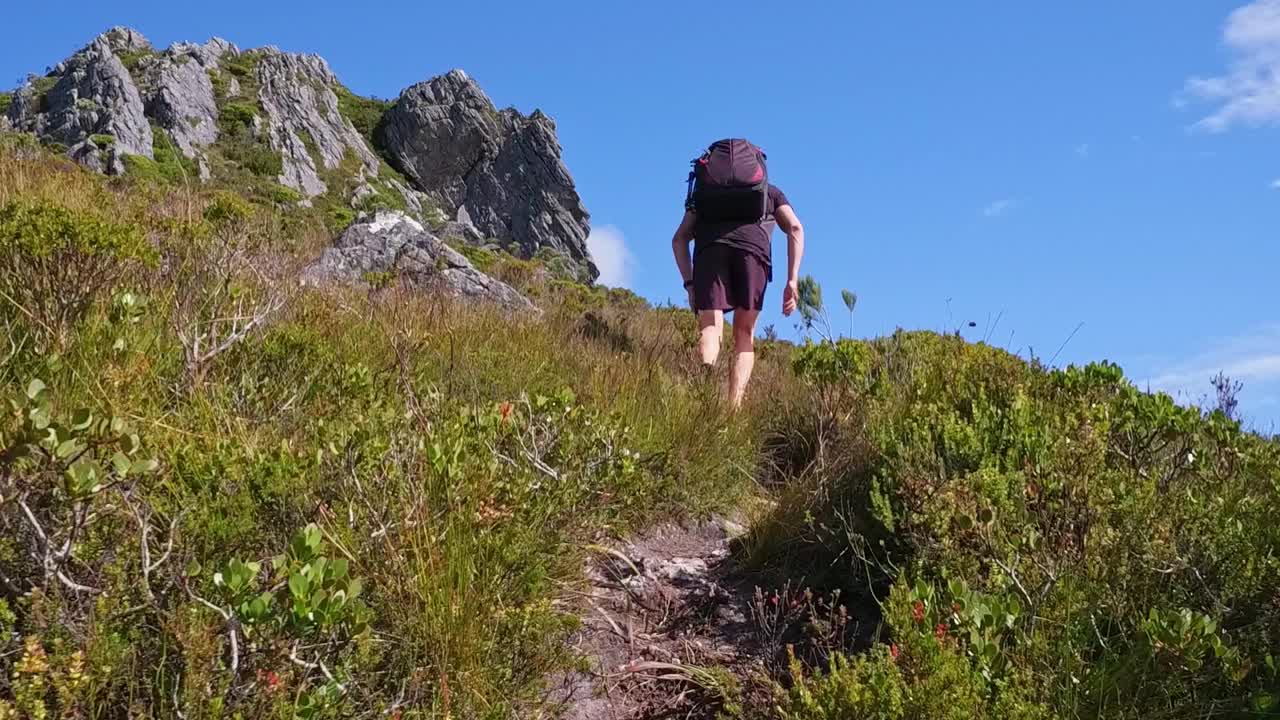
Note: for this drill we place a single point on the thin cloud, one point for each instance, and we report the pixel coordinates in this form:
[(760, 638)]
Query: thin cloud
[(1253, 359), (608, 248), (1249, 92), (998, 208), (1082, 151), (1275, 184)]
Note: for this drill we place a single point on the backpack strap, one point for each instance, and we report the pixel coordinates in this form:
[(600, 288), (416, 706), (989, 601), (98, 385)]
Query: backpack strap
[(693, 175)]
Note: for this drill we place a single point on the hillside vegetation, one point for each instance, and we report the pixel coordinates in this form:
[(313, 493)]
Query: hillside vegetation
[(226, 495)]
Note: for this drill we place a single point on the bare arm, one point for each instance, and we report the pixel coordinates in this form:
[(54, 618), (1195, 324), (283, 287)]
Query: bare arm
[(790, 224), (680, 246)]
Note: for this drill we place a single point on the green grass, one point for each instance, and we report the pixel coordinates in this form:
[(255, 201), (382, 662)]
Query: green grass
[(1010, 540), (458, 460)]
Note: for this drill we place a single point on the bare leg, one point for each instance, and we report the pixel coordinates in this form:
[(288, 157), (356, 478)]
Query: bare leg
[(710, 328), (744, 358)]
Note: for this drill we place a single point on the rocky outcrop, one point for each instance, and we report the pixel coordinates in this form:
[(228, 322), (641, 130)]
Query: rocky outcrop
[(93, 106), (391, 242), (482, 176), (296, 92), (181, 98), (501, 169)]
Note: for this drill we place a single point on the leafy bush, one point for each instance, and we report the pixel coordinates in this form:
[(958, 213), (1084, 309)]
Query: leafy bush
[(999, 500), (102, 141), (243, 65), (56, 263), (6, 100), (41, 86), (364, 113), (132, 59)]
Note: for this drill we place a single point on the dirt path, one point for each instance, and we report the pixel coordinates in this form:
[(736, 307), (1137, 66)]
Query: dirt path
[(665, 627)]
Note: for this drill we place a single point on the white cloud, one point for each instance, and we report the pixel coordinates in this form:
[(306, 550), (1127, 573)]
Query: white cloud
[(609, 250), (1249, 92), (1252, 359), (1275, 184), (998, 208)]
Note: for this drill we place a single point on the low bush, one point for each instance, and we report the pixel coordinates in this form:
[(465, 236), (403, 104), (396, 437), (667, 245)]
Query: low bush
[(55, 263), (1001, 502)]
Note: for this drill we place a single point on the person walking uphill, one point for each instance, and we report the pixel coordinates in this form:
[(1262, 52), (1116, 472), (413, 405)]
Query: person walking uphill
[(730, 212)]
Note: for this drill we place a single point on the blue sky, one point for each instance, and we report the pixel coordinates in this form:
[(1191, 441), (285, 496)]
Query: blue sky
[(1115, 165)]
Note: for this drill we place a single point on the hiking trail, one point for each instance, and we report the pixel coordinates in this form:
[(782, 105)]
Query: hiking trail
[(665, 624)]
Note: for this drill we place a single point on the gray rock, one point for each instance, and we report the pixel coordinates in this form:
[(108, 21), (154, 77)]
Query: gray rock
[(463, 231), (93, 95), (181, 98), (393, 242), (503, 168), (296, 91), (122, 39)]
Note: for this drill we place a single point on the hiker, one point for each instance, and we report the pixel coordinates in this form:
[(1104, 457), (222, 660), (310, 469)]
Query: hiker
[(730, 212)]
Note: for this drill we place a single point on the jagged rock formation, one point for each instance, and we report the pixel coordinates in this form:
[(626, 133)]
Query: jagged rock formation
[(93, 108), (391, 242), (296, 91), (276, 116), (500, 168), (181, 98)]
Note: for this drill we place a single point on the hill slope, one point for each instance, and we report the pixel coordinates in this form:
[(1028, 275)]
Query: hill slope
[(231, 489)]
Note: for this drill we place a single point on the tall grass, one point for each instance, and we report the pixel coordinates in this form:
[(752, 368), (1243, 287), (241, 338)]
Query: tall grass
[(459, 458)]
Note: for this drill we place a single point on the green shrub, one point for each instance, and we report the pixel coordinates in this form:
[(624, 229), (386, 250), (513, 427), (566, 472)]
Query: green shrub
[(243, 65), (228, 209), (999, 501), (339, 218), (41, 87), (235, 117), (102, 141), (257, 158), (483, 259), (281, 195), (364, 113), (6, 100), (132, 59), (56, 263)]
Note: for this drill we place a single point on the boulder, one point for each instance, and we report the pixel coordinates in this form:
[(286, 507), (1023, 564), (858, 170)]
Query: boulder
[(392, 242), (502, 169)]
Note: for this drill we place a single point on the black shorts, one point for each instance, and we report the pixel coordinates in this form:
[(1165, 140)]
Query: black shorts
[(728, 278)]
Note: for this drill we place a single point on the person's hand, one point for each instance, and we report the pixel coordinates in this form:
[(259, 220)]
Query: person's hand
[(790, 295)]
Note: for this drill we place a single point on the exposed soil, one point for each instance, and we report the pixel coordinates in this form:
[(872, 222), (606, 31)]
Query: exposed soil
[(659, 611)]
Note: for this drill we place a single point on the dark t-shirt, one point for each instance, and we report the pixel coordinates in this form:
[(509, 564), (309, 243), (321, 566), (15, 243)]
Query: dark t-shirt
[(755, 238)]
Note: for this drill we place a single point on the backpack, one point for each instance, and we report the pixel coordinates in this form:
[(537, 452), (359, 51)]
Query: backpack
[(729, 183)]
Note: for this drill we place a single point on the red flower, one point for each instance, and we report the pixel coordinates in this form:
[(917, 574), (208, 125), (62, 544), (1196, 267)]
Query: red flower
[(270, 679), (940, 630), (505, 410), (893, 651), (773, 600), (917, 611)]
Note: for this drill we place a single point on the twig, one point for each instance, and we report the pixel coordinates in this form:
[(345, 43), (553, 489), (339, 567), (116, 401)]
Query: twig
[(317, 665), (1064, 344), (1026, 597), (230, 619)]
